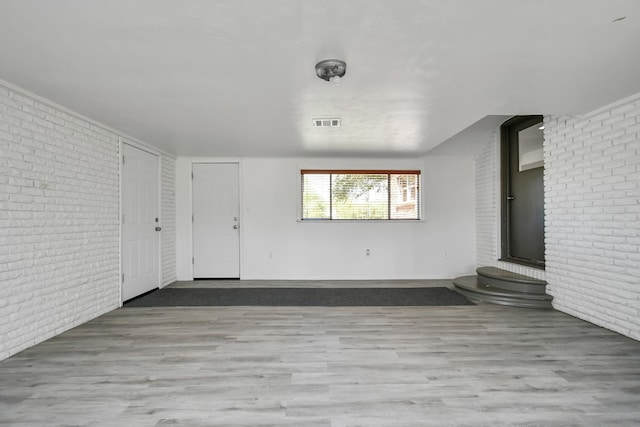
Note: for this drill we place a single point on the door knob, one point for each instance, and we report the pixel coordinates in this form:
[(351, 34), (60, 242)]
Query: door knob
[(510, 198), (158, 228), (235, 227)]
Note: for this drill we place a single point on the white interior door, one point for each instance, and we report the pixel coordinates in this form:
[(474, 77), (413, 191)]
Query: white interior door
[(216, 236), (140, 242)]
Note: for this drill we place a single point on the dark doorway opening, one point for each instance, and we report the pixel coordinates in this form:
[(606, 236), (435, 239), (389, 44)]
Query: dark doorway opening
[(522, 171)]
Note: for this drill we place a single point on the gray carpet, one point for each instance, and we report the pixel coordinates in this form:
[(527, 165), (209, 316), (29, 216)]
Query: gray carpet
[(305, 297)]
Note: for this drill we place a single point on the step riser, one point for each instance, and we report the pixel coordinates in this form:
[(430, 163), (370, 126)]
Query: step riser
[(509, 276), (513, 286), (471, 284), (473, 288), (512, 302)]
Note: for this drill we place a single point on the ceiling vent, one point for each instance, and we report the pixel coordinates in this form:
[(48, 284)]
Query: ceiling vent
[(327, 123)]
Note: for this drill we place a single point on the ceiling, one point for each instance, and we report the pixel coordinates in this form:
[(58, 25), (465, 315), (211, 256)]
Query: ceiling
[(236, 77)]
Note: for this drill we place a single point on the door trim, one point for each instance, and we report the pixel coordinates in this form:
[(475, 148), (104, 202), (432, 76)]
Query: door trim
[(518, 122), (122, 142)]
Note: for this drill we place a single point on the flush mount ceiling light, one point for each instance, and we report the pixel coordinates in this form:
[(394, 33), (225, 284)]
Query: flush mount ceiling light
[(331, 70)]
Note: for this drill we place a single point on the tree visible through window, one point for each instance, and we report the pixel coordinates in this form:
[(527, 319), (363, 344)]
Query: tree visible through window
[(360, 195)]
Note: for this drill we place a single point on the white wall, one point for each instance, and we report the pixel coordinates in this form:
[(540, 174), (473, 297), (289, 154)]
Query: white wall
[(592, 215), (59, 219), (275, 245)]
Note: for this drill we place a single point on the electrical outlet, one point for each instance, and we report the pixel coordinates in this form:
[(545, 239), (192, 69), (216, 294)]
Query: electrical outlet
[(367, 252)]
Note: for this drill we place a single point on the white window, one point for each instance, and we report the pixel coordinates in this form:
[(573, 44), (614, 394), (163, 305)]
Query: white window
[(360, 194)]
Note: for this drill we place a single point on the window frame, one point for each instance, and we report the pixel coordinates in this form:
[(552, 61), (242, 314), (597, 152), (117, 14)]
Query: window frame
[(388, 172)]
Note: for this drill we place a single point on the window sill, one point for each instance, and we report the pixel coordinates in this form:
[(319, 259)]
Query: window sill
[(365, 221)]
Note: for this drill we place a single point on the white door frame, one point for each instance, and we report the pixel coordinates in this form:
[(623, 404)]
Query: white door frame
[(149, 150), (240, 207)]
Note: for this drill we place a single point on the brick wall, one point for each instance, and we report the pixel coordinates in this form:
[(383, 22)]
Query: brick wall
[(168, 215), (488, 210), (486, 175), (59, 256), (592, 215), (59, 220)]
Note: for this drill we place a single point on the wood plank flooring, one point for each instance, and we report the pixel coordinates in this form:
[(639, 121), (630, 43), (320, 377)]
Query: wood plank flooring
[(347, 366)]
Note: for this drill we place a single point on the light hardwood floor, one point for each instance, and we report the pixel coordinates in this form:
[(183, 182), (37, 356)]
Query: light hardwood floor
[(287, 366)]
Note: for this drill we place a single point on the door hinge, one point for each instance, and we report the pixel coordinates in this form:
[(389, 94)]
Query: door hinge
[(122, 277), (193, 260), (123, 159), (192, 218), (191, 175)]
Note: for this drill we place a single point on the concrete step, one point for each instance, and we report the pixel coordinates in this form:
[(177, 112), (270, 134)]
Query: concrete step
[(470, 287), (498, 278)]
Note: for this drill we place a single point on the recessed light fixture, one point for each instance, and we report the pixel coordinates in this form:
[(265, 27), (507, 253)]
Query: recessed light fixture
[(327, 123), (331, 70)]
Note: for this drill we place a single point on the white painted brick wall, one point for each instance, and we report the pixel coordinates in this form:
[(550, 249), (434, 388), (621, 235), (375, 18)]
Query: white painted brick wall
[(168, 215), (59, 220), (59, 231), (488, 210), (592, 215), (486, 203)]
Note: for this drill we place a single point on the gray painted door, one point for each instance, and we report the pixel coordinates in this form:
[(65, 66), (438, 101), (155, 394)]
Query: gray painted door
[(526, 195)]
